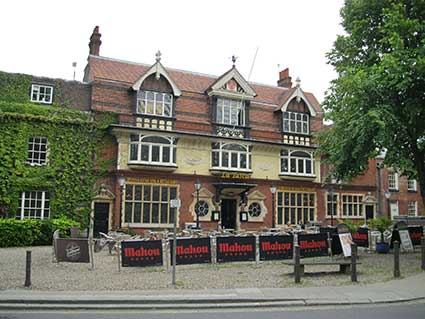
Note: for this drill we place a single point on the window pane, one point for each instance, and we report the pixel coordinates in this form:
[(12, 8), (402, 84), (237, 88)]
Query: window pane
[(138, 192), (129, 192), (155, 213), (166, 154), (215, 159), (146, 193), (144, 153), (284, 165), (234, 160), (164, 213), (155, 153), (293, 165), (243, 160), (133, 152), (164, 194), (155, 193), (225, 159), (137, 212), (127, 215), (146, 213), (300, 166)]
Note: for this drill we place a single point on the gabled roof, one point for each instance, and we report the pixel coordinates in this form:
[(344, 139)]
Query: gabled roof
[(103, 68), (159, 70), (297, 93), (219, 86)]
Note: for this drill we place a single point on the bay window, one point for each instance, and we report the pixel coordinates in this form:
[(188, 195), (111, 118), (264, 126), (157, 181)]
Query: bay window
[(230, 112), (230, 156), (155, 150), (293, 162)]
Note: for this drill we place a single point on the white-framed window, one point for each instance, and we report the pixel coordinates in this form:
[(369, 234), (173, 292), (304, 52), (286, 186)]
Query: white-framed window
[(154, 103), (41, 93), (295, 122), (412, 208), (293, 208), (202, 208), (230, 112), (294, 162), (231, 156), (34, 204), (352, 206), (254, 209), (155, 150), (332, 204), (392, 181), (411, 185), (37, 150), (146, 204)]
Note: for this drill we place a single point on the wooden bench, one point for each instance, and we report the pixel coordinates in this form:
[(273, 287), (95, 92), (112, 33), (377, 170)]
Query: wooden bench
[(344, 264)]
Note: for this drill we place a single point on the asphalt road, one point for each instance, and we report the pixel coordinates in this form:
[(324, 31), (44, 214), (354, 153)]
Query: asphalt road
[(387, 311)]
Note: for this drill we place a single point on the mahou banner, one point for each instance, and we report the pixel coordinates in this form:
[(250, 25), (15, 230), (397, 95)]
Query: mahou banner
[(276, 247), (141, 253), (416, 233), (235, 249), (313, 245), (192, 251), (361, 237)]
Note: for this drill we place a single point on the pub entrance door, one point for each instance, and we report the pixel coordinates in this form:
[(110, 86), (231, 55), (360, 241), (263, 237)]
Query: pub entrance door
[(228, 213), (101, 218)]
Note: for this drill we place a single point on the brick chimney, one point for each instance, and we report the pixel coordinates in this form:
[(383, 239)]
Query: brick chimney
[(284, 79), (95, 42)]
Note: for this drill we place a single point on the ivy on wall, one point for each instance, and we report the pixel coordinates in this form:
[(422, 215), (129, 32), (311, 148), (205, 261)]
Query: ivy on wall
[(75, 139)]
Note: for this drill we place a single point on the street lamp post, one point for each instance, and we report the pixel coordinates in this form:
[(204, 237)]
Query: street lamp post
[(121, 182), (331, 195), (198, 186), (387, 196), (273, 190)]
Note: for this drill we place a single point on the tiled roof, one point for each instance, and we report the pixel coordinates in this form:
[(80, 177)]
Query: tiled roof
[(129, 72)]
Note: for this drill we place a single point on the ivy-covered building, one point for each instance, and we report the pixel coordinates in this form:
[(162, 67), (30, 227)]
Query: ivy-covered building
[(48, 142)]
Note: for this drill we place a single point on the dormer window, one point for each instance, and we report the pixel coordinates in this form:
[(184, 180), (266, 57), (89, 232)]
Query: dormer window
[(41, 93), (230, 112), (294, 122), (154, 103)]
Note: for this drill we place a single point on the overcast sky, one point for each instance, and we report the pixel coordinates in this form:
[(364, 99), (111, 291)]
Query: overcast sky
[(45, 37)]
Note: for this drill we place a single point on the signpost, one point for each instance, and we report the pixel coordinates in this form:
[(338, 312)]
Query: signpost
[(174, 204)]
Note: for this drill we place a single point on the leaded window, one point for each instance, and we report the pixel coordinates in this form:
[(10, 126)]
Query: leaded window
[(352, 205), (254, 209), (294, 122), (34, 204), (156, 150), (293, 208), (37, 150), (294, 162), (41, 93), (149, 204), (412, 208), (231, 156), (231, 112), (154, 103), (201, 208), (392, 181), (332, 204)]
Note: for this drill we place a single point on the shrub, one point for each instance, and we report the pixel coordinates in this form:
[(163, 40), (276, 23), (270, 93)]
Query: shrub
[(32, 232)]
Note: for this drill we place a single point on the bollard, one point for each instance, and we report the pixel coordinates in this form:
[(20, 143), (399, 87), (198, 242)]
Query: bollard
[(297, 266), (353, 262), (396, 259), (28, 270), (423, 252)]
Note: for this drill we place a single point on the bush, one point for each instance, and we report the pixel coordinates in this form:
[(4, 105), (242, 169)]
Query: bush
[(32, 232)]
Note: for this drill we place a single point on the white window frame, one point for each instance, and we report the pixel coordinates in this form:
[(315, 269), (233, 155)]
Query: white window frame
[(143, 99), (281, 206), (335, 212), (297, 120), (221, 151), (412, 185), (34, 156), (41, 97), (293, 159), (235, 109), (149, 202), (392, 181), (139, 144), (412, 208), (357, 212), (31, 210)]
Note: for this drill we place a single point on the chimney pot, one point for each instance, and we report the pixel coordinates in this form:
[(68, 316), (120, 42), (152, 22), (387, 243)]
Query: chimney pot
[(284, 79), (95, 42)]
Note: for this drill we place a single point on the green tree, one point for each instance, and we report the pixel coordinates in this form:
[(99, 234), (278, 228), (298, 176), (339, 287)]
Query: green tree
[(378, 100)]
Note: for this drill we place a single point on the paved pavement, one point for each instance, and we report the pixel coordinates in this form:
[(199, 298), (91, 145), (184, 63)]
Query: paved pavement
[(397, 290)]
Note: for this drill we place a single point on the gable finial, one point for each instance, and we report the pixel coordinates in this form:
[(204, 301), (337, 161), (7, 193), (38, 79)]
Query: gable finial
[(234, 58), (298, 82), (158, 56), (298, 85)]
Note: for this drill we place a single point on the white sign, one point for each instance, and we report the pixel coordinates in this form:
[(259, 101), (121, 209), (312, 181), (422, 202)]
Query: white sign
[(175, 203), (346, 241), (406, 242)]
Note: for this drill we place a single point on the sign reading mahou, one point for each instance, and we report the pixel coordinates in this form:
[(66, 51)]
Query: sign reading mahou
[(313, 245), (276, 247), (361, 237), (141, 253), (416, 233), (235, 249), (192, 251)]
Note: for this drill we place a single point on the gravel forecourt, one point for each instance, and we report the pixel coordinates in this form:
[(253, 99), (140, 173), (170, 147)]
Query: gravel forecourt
[(49, 275)]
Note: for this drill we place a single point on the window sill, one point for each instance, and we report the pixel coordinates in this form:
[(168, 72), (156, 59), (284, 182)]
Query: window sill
[(35, 164), (41, 102), (155, 166), (297, 176)]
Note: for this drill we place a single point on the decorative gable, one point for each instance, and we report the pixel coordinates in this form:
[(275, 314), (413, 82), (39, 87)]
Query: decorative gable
[(232, 85), (298, 94)]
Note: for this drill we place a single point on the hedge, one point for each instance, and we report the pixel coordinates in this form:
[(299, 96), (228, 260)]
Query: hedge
[(32, 232)]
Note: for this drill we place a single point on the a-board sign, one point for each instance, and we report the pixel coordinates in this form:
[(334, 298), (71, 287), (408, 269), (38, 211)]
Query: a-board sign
[(346, 242), (276, 247), (72, 250), (361, 237), (416, 233), (405, 241), (141, 253), (235, 249), (192, 251), (313, 245)]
